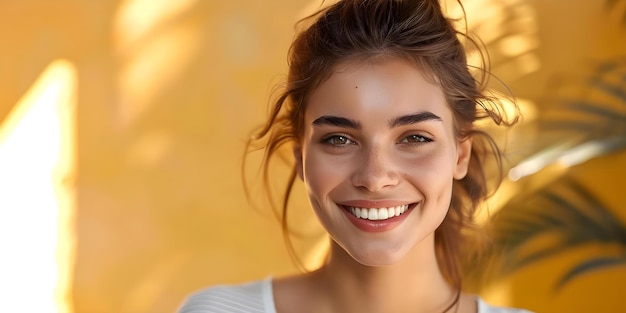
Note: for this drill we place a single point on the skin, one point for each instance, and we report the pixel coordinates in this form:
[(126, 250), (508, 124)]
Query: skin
[(377, 134)]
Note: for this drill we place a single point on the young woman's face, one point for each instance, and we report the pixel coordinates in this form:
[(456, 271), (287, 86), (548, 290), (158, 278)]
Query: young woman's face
[(378, 158)]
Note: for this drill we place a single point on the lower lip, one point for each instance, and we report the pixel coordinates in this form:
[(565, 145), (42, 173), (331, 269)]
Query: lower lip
[(378, 226)]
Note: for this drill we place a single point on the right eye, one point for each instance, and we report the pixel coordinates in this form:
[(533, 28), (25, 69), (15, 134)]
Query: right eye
[(338, 140)]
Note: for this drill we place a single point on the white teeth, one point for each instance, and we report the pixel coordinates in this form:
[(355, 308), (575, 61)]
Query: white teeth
[(383, 214), (375, 214), (372, 214)]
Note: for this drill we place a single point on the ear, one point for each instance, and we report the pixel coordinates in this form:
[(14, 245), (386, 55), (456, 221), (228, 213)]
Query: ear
[(297, 154), (464, 152)]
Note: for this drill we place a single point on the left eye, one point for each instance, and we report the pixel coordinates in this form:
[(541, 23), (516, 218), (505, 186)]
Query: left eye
[(338, 140), (415, 139)]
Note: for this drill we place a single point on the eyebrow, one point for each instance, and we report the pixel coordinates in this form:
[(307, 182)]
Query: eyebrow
[(398, 121), (413, 119), (337, 121)]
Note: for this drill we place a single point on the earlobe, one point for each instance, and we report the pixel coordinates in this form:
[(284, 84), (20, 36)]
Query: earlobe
[(464, 152), (297, 154)]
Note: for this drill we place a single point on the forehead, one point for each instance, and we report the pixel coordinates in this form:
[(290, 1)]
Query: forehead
[(384, 86)]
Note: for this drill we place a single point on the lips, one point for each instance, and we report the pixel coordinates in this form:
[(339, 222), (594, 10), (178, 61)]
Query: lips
[(376, 217), (378, 214)]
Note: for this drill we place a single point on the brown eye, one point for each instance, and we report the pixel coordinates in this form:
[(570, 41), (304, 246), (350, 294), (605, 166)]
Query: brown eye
[(338, 140), (415, 139)]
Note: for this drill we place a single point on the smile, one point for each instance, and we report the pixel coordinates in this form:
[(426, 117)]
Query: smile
[(377, 214)]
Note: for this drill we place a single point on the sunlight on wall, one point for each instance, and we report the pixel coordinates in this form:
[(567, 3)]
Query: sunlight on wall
[(509, 30), (37, 206), (314, 6), (151, 45), (137, 18), (566, 154)]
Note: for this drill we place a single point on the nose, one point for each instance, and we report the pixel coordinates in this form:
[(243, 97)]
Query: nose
[(375, 171)]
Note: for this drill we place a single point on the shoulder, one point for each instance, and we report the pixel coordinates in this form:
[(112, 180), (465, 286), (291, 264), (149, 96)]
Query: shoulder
[(483, 307), (253, 297)]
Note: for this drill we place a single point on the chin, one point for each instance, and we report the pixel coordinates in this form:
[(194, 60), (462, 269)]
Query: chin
[(377, 257)]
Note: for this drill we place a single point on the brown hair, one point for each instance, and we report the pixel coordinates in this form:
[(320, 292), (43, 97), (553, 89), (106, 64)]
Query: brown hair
[(414, 30)]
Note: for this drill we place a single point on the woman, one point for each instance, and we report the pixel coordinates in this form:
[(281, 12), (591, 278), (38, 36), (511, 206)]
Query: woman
[(380, 109)]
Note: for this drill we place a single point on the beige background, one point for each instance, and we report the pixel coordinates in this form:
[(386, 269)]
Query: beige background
[(167, 92)]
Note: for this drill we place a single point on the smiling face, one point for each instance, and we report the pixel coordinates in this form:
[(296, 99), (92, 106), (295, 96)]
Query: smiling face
[(378, 157)]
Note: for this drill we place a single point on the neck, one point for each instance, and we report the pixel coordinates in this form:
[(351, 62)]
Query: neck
[(414, 284)]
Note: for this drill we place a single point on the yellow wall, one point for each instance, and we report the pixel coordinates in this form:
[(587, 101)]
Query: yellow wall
[(166, 94)]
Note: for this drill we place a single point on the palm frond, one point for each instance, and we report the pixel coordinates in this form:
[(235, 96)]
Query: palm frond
[(591, 110), (615, 5), (590, 266), (612, 89), (591, 127), (566, 212)]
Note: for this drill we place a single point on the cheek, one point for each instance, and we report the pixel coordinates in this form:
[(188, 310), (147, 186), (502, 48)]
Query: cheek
[(322, 173), (433, 174), (324, 177)]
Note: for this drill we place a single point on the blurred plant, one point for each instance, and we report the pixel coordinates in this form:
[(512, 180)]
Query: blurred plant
[(553, 221), (614, 5), (564, 214), (577, 130)]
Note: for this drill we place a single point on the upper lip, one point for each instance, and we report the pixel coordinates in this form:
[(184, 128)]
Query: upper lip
[(375, 203)]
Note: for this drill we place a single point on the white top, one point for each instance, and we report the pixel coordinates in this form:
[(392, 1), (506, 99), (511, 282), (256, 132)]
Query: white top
[(257, 297)]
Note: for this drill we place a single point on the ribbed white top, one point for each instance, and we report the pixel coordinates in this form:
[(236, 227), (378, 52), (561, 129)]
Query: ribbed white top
[(257, 297)]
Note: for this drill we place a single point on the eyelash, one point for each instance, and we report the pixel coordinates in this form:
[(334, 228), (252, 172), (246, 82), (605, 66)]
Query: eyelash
[(411, 140), (329, 139), (418, 139)]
